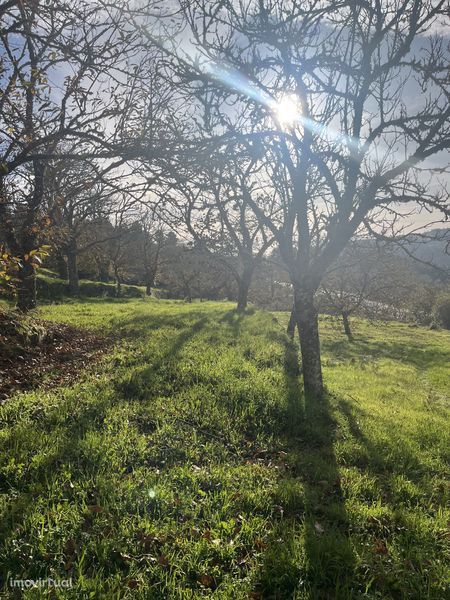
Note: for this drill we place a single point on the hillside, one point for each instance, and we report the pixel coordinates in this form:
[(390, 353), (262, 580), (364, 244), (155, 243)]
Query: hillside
[(187, 464)]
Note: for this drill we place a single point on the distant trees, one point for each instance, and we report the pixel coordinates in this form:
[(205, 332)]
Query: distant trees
[(76, 199), (151, 241), (368, 279), (189, 272)]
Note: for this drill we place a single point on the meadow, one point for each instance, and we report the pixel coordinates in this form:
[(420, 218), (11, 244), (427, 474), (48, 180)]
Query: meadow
[(186, 463)]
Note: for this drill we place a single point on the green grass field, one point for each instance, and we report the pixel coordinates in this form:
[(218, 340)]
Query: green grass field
[(187, 464)]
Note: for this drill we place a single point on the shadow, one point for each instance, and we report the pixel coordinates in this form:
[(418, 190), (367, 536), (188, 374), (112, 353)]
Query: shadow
[(77, 417), (410, 352), (234, 319), (373, 459), (155, 379), (309, 554)]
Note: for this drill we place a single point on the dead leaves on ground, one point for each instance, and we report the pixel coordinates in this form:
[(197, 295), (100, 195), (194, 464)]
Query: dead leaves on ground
[(57, 360)]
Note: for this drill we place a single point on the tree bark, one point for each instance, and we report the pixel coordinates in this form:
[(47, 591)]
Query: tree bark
[(61, 265), (244, 283), (308, 327), (291, 325), (149, 283), (72, 268), (26, 292), (118, 283), (103, 274), (347, 329)]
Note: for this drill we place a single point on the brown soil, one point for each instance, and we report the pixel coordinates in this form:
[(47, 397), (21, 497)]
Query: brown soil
[(43, 354)]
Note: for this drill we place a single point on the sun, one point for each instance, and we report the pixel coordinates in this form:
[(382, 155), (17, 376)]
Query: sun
[(287, 110)]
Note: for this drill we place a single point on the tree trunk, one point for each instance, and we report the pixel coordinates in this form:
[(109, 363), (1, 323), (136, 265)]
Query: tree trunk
[(26, 292), (243, 288), (149, 283), (347, 329), (61, 265), (291, 325), (72, 268), (118, 283), (103, 274), (308, 327)]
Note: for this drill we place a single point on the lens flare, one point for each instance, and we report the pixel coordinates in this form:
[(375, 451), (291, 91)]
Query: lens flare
[(288, 110)]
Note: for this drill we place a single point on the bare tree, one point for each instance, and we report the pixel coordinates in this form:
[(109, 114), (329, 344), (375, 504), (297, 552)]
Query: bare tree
[(320, 90), (151, 244), (67, 78), (368, 279), (214, 204)]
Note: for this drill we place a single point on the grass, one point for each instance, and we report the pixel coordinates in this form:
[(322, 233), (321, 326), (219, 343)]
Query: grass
[(187, 464)]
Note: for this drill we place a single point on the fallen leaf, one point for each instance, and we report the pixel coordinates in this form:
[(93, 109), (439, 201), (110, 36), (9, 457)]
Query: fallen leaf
[(207, 580), (260, 544), (379, 547), (319, 529), (163, 561)]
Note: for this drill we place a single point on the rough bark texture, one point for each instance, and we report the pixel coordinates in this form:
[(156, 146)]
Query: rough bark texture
[(347, 329), (26, 292), (308, 326), (72, 268)]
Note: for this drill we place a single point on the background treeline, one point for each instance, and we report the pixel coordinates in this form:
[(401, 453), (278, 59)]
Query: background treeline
[(130, 255)]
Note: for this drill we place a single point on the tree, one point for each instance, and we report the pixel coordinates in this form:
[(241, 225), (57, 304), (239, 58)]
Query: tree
[(80, 198), (65, 79), (189, 272), (368, 279), (442, 309), (214, 205), (318, 89), (150, 243)]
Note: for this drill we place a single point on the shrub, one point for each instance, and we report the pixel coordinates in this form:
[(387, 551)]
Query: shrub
[(421, 304), (52, 288), (442, 309)]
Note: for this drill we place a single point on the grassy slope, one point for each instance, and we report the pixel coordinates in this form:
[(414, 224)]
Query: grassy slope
[(185, 464)]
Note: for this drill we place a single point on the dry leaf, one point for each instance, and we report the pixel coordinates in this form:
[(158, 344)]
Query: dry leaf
[(379, 547), (206, 580), (163, 561), (319, 529)]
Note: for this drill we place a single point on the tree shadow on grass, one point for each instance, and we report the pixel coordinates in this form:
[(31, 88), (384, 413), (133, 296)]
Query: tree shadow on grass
[(30, 484), (309, 554), (234, 319), (156, 378), (413, 353)]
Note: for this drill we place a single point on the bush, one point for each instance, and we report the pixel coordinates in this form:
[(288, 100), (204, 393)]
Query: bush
[(442, 309), (52, 288), (421, 304)]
